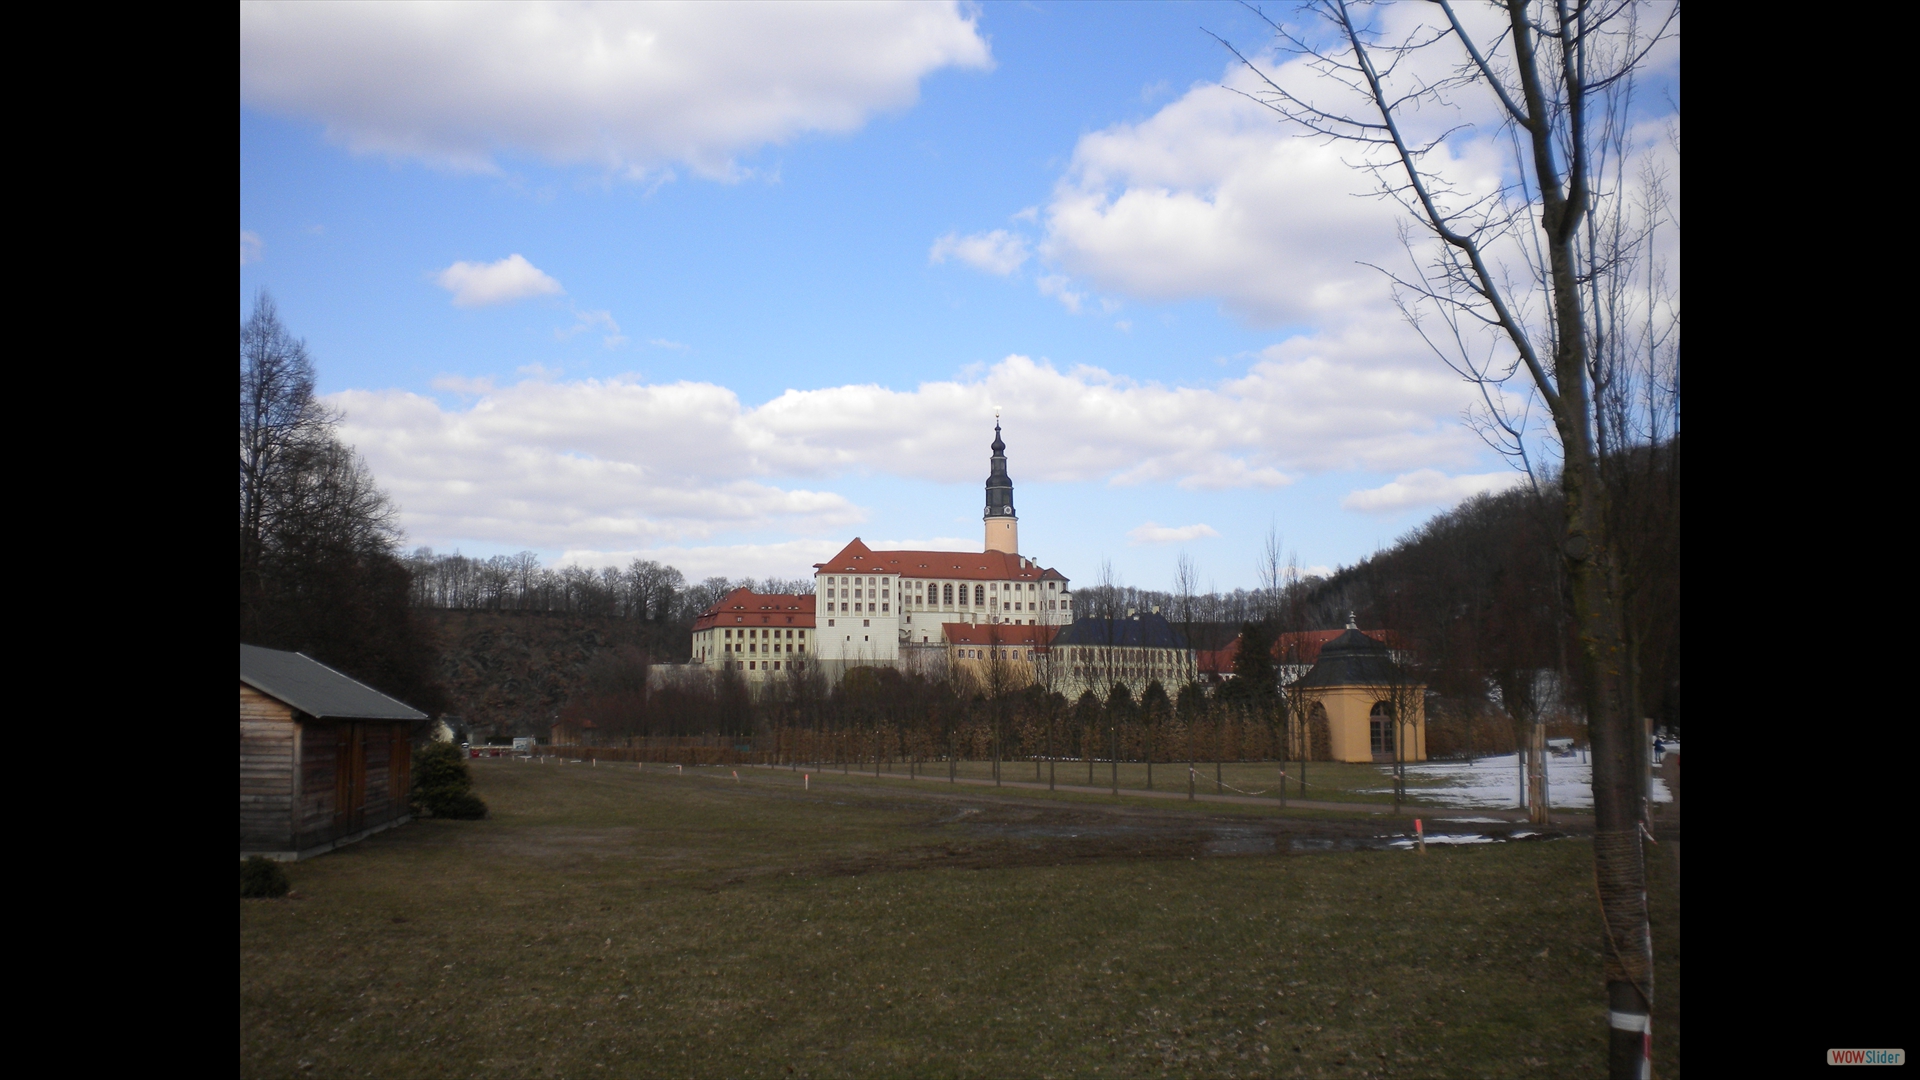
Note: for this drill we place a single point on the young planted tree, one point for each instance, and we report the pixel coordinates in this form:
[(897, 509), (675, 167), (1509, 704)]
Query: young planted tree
[(1155, 710), (1192, 709), (1397, 692), (1502, 282)]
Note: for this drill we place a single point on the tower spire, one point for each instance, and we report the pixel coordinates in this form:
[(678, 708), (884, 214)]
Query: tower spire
[(1002, 524)]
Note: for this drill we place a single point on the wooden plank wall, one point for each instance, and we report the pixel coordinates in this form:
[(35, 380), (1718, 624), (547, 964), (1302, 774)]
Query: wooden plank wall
[(319, 748), (314, 817), (379, 748), (267, 732)]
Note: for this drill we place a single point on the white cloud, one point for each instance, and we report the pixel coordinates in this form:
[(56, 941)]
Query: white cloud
[(997, 252), (1211, 198), (663, 343), (460, 384), (615, 465), (1150, 533), (479, 284), (549, 465), (1055, 285), (629, 87), (249, 247), (587, 320), (1427, 488)]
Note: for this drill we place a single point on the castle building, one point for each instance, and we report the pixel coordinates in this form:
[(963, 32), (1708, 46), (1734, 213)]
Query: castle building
[(1092, 655), (997, 657), (886, 607), (755, 633)]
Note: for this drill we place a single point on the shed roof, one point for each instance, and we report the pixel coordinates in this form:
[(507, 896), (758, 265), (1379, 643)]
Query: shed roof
[(316, 689)]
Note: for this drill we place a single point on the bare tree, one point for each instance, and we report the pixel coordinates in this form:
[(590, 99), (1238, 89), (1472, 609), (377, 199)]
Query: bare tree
[(1500, 284), (280, 420), (1272, 573)]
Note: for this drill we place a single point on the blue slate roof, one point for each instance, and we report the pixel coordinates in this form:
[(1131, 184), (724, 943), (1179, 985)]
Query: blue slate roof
[(1146, 631)]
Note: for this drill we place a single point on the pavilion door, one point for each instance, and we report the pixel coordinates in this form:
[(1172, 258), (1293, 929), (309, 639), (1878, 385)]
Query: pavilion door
[(350, 779), (1380, 731)]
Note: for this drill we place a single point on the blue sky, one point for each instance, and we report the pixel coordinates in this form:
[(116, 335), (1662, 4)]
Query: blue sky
[(729, 286)]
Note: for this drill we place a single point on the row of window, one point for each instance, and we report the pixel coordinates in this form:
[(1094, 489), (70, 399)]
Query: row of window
[(758, 647), (760, 665), (1123, 655), (844, 590)]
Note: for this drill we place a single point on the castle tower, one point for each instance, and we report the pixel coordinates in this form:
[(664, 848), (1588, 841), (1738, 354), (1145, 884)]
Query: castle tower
[(1003, 525)]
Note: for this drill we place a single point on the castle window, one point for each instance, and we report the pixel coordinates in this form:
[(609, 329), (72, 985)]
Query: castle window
[(979, 594), (949, 593)]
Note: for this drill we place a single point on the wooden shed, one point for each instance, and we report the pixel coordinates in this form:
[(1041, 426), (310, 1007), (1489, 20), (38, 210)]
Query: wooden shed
[(324, 759)]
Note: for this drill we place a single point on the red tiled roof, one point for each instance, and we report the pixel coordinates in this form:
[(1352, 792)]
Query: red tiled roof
[(1302, 647), (959, 633), (858, 558), (744, 607)]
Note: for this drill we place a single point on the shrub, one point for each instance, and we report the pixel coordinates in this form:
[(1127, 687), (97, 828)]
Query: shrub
[(442, 786), (261, 876), (462, 806)]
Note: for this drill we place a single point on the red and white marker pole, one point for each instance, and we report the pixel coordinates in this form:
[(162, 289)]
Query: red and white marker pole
[(1420, 835)]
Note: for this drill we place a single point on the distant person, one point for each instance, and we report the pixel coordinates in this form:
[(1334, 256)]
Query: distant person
[(1659, 749)]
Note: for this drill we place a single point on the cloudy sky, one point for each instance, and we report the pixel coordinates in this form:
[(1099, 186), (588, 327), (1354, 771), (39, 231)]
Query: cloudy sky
[(729, 286)]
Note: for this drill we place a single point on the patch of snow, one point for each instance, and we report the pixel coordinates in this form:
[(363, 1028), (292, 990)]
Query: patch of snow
[(1467, 838), (1494, 782)]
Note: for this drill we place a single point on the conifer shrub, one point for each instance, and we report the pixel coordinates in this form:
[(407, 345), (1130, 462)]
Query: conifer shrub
[(262, 877), (442, 785)]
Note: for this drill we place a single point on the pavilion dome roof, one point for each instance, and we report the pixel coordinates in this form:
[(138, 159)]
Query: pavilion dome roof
[(1353, 659)]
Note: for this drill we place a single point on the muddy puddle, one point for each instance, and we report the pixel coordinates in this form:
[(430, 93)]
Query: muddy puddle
[(1092, 834)]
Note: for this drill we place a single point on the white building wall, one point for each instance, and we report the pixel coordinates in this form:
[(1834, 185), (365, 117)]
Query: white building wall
[(928, 602), (857, 617)]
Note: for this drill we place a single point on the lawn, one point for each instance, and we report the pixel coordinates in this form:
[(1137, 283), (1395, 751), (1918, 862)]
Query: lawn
[(607, 921)]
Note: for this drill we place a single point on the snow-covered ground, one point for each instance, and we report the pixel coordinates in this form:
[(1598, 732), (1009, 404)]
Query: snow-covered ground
[(1494, 782)]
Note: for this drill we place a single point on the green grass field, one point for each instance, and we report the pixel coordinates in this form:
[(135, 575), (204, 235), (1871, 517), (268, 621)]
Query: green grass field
[(611, 922)]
